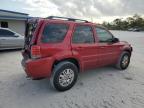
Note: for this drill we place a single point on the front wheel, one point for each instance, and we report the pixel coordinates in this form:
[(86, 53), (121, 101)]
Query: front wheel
[(123, 61), (64, 76)]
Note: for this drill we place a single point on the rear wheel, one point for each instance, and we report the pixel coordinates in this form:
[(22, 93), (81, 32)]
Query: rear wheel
[(64, 76), (123, 61)]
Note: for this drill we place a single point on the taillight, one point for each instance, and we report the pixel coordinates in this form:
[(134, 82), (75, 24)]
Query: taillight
[(35, 52)]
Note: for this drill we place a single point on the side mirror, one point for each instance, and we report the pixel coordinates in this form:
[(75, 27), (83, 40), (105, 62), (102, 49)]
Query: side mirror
[(16, 35), (115, 40)]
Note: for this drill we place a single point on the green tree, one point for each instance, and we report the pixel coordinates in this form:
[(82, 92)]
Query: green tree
[(135, 21)]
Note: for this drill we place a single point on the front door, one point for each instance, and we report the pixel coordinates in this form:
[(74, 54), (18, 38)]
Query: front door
[(108, 51), (84, 46)]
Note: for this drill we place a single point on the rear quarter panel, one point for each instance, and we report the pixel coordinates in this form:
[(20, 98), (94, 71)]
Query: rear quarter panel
[(57, 51)]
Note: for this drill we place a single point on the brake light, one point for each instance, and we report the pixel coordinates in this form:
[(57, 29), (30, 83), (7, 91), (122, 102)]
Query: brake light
[(35, 52)]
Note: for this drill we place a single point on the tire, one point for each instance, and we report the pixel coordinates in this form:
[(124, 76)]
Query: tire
[(121, 64), (64, 76)]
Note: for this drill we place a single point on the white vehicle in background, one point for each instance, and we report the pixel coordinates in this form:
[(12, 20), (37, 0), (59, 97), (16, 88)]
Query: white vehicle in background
[(135, 29), (10, 39)]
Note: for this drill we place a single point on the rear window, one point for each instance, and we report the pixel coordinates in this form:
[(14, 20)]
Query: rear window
[(54, 33), (30, 28)]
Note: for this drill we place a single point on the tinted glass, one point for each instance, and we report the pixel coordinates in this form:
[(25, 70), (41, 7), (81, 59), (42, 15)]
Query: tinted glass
[(83, 34), (4, 24), (103, 35), (6, 33), (54, 33), (29, 30)]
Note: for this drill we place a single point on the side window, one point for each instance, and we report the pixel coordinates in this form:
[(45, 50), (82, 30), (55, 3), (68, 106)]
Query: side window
[(83, 34), (4, 24), (6, 33), (54, 33), (103, 35)]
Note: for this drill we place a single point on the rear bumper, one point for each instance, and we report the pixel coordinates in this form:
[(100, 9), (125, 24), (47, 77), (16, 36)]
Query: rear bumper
[(39, 68)]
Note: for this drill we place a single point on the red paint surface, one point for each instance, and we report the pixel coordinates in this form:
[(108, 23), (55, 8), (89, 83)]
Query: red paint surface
[(88, 55)]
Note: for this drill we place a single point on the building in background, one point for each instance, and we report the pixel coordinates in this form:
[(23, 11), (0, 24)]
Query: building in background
[(16, 21)]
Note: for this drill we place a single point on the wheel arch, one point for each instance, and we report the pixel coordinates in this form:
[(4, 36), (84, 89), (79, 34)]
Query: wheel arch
[(128, 50), (71, 59)]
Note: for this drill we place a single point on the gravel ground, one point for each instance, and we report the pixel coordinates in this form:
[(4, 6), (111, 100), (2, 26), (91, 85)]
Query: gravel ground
[(100, 88)]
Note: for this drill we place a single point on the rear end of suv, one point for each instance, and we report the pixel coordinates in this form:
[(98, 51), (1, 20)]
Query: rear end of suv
[(59, 48), (42, 43)]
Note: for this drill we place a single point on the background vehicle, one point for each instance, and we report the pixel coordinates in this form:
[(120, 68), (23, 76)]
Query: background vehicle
[(59, 49), (135, 29), (10, 39)]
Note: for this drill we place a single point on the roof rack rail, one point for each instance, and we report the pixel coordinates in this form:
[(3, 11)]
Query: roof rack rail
[(66, 18)]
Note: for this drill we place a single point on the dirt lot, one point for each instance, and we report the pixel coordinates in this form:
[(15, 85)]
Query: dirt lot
[(101, 88)]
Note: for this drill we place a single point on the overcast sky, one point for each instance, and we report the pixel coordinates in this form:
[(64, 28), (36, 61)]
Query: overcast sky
[(98, 10)]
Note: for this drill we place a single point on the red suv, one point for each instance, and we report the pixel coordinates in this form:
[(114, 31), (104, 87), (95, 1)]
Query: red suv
[(59, 48)]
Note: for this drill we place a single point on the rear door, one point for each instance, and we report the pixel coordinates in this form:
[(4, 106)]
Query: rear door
[(108, 51), (84, 46)]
